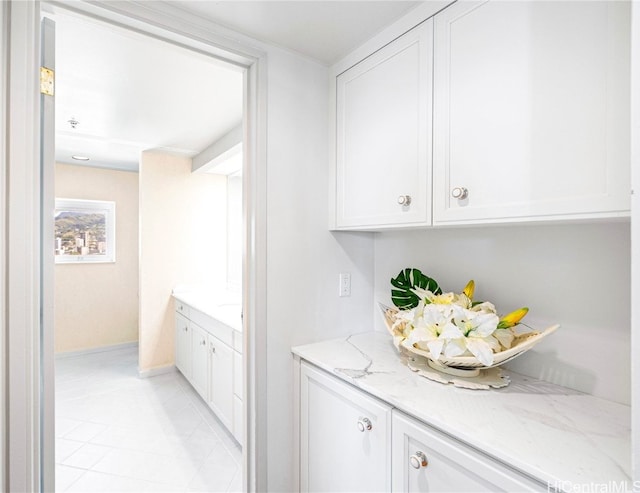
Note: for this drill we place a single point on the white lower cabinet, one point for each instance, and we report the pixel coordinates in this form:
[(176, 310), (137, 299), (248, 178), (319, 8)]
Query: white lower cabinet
[(345, 436), (352, 441), (210, 364), (237, 418), (425, 460), (199, 359), (221, 381), (238, 421), (183, 345)]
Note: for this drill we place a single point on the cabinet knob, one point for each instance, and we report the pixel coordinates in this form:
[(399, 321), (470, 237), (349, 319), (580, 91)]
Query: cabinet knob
[(364, 424), (460, 193), (203, 342), (186, 329), (213, 348), (404, 200), (418, 460)]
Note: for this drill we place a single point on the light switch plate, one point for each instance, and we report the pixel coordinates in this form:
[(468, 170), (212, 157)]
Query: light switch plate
[(345, 284)]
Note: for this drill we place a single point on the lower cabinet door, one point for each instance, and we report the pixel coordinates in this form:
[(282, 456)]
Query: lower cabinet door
[(426, 460), (183, 345), (345, 436), (238, 421), (221, 381), (199, 360)]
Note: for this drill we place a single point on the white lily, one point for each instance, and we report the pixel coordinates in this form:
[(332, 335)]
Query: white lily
[(449, 324), (481, 348), (485, 306), (430, 331), (477, 329), (505, 337)]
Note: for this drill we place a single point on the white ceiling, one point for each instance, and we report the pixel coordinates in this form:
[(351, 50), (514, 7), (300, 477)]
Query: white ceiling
[(323, 30), (131, 93)]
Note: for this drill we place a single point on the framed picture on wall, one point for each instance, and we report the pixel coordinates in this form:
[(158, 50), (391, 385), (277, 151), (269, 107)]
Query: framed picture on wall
[(85, 231)]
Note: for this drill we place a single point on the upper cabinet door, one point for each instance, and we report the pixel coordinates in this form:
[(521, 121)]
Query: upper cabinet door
[(383, 135), (531, 111)]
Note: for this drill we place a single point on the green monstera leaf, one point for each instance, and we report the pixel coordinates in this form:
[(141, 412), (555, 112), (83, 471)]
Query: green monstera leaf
[(403, 296)]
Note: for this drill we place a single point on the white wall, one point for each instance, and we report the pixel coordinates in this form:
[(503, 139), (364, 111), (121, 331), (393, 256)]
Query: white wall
[(96, 304), (3, 136), (234, 233), (635, 232), (304, 258), (182, 241), (577, 275)]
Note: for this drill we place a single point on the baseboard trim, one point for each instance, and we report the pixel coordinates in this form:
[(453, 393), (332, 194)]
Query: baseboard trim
[(101, 349), (152, 372)]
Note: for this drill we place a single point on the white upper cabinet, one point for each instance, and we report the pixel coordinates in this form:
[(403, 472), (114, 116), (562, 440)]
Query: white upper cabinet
[(383, 136), (531, 111)]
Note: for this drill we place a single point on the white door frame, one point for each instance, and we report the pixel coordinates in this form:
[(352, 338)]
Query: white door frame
[(20, 193)]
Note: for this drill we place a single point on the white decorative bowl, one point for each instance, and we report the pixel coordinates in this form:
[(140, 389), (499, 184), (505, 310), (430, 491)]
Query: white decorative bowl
[(466, 365)]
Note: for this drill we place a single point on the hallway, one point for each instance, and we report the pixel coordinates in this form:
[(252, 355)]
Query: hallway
[(116, 432)]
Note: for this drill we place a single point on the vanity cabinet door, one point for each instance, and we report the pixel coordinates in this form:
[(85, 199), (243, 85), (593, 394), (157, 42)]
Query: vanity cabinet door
[(425, 460), (237, 396), (221, 381), (345, 439), (531, 111), (383, 136), (238, 422), (200, 360), (183, 345)]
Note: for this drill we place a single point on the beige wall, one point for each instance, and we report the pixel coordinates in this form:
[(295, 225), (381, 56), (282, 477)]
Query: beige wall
[(97, 304), (182, 241)]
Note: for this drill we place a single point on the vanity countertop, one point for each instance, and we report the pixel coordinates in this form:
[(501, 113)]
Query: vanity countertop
[(222, 305), (564, 438)]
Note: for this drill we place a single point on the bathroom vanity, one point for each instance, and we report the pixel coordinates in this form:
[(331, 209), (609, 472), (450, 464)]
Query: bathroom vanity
[(209, 350)]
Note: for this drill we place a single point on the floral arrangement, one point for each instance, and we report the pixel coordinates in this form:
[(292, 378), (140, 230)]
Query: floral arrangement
[(449, 324)]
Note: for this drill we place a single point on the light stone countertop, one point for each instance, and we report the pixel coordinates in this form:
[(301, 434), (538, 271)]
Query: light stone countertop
[(564, 438), (224, 306)]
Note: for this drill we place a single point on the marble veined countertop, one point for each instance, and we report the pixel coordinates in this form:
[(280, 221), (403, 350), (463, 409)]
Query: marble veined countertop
[(219, 304), (563, 438)]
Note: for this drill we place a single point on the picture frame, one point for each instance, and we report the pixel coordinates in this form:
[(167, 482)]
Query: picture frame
[(84, 231)]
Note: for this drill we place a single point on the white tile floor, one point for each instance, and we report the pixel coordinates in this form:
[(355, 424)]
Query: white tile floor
[(116, 432)]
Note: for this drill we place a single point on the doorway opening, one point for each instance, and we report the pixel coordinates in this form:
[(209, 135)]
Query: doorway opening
[(178, 207)]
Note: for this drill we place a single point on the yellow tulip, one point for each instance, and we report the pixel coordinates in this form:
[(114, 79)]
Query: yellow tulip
[(469, 289), (512, 318)]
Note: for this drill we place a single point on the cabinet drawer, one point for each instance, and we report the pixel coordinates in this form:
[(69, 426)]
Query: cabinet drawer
[(426, 460), (181, 308), (212, 326)]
